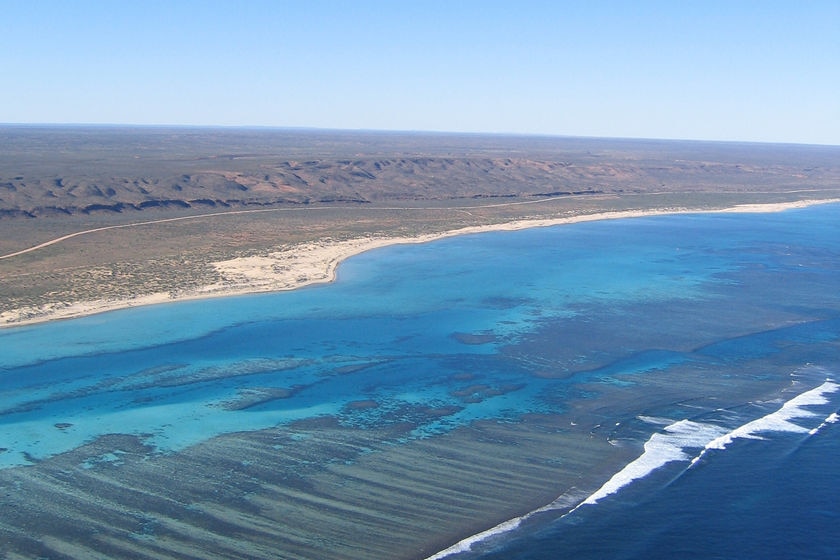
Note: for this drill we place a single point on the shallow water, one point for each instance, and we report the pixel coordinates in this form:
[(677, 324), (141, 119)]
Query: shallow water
[(548, 349)]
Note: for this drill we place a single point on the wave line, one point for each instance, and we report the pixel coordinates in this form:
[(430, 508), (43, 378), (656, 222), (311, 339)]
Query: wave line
[(779, 421), (670, 446)]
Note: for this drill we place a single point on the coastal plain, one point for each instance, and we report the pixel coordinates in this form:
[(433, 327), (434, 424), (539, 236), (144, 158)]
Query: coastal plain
[(98, 218)]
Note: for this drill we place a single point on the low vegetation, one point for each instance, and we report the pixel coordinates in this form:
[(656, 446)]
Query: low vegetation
[(196, 196)]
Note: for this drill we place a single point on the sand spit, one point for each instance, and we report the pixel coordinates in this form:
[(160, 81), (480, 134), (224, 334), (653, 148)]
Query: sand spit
[(316, 262)]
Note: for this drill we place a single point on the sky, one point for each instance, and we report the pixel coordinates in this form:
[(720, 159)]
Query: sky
[(734, 70)]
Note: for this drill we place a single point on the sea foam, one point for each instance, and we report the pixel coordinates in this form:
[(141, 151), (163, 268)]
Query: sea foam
[(831, 419), (669, 446), (779, 421), (660, 449), (562, 502)]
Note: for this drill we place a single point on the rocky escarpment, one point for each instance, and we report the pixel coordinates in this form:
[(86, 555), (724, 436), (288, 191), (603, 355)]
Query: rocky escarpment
[(60, 171), (293, 182)]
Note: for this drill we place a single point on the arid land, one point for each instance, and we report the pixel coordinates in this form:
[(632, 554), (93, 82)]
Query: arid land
[(95, 218), (117, 217)]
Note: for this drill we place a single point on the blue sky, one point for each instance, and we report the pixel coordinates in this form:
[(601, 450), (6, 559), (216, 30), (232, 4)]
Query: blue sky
[(718, 70)]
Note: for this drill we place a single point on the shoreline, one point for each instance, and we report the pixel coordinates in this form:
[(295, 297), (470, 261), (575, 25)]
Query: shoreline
[(316, 262)]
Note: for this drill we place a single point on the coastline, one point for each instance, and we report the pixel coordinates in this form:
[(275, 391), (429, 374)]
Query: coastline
[(574, 450), (316, 262)]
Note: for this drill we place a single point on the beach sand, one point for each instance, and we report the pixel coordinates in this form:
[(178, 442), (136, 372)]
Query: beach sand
[(295, 266), (317, 489)]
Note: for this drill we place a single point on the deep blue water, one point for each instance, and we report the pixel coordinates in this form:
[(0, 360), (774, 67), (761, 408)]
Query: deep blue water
[(670, 331), (775, 496)]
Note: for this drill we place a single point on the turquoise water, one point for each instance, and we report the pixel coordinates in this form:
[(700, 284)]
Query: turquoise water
[(717, 319), (409, 315)]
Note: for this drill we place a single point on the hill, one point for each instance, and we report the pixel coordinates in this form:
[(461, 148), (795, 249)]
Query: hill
[(116, 215), (101, 170)]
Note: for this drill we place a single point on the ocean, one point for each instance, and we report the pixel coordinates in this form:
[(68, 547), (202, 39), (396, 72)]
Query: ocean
[(651, 387)]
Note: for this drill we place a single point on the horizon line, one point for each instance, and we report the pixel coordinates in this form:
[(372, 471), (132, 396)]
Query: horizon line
[(432, 132)]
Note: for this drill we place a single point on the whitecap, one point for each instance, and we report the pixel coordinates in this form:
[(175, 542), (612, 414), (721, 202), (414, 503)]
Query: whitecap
[(660, 449), (830, 419), (466, 544), (668, 446), (564, 501), (656, 420), (779, 421)]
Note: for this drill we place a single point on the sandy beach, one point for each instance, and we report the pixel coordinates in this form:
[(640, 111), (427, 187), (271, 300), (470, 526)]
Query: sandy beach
[(394, 433), (300, 265)]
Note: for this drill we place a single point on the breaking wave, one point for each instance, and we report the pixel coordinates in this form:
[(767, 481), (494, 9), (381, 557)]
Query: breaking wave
[(660, 449), (672, 445), (779, 421)]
